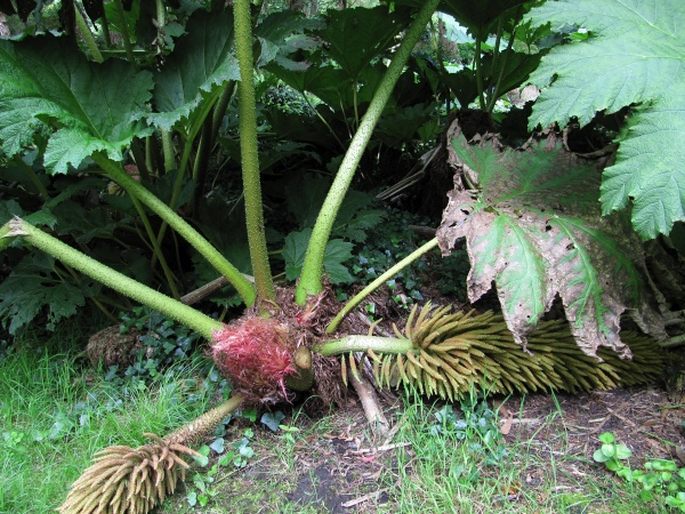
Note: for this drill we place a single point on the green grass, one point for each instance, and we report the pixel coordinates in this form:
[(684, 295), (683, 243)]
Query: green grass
[(55, 413), (447, 467)]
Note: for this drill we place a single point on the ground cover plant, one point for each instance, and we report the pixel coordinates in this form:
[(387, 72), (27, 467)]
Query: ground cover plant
[(529, 213)]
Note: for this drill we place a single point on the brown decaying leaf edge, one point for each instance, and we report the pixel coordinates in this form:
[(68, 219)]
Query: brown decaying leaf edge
[(455, 352), (549, 219)]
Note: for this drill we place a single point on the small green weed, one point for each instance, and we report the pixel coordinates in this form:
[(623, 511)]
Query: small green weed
[(661, 479), (235, 455), (455, 453)]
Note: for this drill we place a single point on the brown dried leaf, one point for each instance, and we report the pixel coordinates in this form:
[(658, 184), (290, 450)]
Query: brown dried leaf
[(533, 227)]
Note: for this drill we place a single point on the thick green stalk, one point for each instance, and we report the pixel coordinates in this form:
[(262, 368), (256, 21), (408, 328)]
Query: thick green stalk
[(356, 299), (156, 249), (190, 317), (105, 31), (115, 172), (168, 152), (139, 156), (221, 106), (123, 26), (87, 35), (503, 66), (364, 343), (479, 74), (249, 155), (312, 271), (205, 109)]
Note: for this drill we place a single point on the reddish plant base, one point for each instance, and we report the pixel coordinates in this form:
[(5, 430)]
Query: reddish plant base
[(256, 354)]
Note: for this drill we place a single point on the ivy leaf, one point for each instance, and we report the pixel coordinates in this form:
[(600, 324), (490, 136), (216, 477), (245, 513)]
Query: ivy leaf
[(272, 420), (533, 227), (95, 107), (201, 62), (33, 286), (218, 445), (635, 55)]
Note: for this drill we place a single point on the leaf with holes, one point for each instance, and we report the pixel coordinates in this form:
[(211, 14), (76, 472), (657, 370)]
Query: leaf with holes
[(533, 227), (635, 55), (46, 86)]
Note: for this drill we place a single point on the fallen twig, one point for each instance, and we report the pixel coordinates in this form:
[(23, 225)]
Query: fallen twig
[(362, 499)]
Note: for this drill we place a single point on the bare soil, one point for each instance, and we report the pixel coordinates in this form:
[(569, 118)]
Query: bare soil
[(336, 466)]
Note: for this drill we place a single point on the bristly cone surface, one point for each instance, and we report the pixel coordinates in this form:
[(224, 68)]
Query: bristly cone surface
[(127, 480), (256, 354)]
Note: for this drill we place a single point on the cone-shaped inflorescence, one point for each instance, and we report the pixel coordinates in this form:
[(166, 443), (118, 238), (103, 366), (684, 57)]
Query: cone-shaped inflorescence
[(257, 355), (451, 352), (127, 480)]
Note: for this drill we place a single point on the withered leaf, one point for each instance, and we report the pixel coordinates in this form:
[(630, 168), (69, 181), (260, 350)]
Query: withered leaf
[(533, 226)]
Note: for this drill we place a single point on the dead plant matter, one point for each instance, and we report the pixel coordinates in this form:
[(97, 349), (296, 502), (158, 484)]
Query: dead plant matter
[(125, 480), (110, 347), (455, 351)]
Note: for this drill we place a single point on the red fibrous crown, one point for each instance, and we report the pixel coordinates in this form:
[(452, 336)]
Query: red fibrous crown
[(256, 355)]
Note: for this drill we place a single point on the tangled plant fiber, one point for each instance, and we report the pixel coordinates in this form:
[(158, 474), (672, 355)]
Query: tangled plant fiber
[(455, 351), (257, 355), (125, 480)]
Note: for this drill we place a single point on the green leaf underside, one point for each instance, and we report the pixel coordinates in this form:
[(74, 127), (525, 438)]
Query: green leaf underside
[(636, 56), (94, 107), (201, 62), (534, 229)]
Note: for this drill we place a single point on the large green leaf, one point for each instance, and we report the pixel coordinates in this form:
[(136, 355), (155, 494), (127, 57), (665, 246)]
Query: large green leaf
[(354, 37), (32, 287), (45, 83), (282, 34), (479, 16), (337, 253), (532, 225), (635, 55), (201, 62)]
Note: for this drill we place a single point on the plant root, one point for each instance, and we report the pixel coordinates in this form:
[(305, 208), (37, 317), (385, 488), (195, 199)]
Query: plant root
[(124, 480), (369, 400)]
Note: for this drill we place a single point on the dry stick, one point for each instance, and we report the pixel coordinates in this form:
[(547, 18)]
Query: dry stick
[(367, 395), (204, 291)]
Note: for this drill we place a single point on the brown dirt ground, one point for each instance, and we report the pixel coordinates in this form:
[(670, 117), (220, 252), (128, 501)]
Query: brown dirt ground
[(337, 466)]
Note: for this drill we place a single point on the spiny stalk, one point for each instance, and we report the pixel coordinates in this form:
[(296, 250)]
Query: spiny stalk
[(312, 271)]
